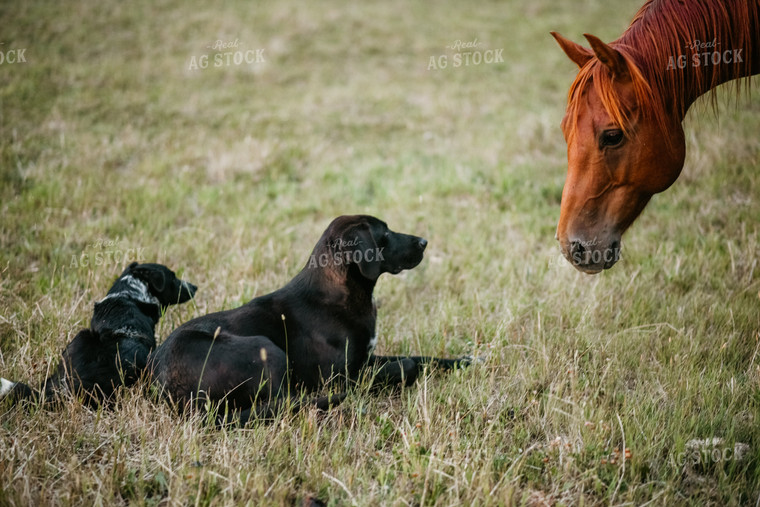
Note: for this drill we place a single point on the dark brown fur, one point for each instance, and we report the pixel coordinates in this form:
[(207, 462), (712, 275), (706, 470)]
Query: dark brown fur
[(317, 328)]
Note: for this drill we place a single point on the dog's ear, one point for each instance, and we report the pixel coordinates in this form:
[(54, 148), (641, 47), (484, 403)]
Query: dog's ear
[(155, 278), (369, 263), (129, 269)]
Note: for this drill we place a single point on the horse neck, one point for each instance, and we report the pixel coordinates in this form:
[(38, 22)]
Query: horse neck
[(684, 57)]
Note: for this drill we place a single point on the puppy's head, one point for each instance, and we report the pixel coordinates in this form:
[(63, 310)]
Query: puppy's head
[(366, 243), (162, 283)]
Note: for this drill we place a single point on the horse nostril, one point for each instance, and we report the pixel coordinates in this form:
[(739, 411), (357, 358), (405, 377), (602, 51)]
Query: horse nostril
[(422, 243), (576, 251), (614, 255)]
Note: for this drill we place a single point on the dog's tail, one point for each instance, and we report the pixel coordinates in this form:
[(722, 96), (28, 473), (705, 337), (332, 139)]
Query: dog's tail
[(16, 392)]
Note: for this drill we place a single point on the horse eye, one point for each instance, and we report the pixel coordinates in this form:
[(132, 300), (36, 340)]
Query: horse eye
[(611, 138)]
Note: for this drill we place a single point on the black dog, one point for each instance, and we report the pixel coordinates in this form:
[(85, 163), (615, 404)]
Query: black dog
[(114, 350), (319, 327)]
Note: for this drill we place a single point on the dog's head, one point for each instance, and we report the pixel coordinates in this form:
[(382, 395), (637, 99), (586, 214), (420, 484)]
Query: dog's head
[(366, 243), (162, 283)]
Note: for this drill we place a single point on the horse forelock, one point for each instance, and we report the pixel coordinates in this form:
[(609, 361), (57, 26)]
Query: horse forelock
[(607, 88)]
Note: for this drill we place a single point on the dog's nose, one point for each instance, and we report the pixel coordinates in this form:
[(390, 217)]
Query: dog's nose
[(423, 243)]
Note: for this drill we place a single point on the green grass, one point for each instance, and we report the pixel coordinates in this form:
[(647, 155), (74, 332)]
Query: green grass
[(109, 142)]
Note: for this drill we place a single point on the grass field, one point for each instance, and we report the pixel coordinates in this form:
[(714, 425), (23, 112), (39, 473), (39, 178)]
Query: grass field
[(116, 141)]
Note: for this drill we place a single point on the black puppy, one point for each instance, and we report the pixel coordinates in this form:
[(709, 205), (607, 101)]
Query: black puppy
[(114, 350), (319, 327)]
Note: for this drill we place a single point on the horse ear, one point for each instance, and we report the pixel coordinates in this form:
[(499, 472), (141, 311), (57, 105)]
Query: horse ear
[(574, 51), (609, 56)]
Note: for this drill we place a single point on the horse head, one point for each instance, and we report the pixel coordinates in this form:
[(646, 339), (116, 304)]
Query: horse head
[(619, 153)]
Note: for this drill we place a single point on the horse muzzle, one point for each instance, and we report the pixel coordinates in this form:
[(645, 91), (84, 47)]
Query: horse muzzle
[(592, 255)]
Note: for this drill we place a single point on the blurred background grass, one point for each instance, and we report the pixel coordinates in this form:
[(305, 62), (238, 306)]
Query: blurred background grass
[(110, 141)]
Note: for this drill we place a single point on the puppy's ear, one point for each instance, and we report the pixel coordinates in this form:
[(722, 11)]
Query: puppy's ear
[(129, 269), (155, 278), (369, 265)]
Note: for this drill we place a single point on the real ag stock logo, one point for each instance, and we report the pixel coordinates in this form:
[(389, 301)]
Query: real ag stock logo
[(11, 56), (704, 54), (466, 54), (228, 53), (106, 252), (345, 252)]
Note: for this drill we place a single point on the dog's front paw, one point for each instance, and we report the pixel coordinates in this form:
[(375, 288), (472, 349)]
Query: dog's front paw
[(468, 360), (455, 364)]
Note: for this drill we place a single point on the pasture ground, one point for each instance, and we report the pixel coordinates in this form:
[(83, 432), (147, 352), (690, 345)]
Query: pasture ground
[(592, 388)]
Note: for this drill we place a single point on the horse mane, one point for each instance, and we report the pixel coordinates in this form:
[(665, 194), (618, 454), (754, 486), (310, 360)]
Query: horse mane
[(663, 29)]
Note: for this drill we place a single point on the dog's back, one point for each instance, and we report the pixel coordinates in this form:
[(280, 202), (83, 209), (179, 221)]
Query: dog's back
[(318, 327)]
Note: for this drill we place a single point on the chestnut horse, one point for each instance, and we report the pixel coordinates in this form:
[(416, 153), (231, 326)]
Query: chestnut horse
[(622, 126)]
